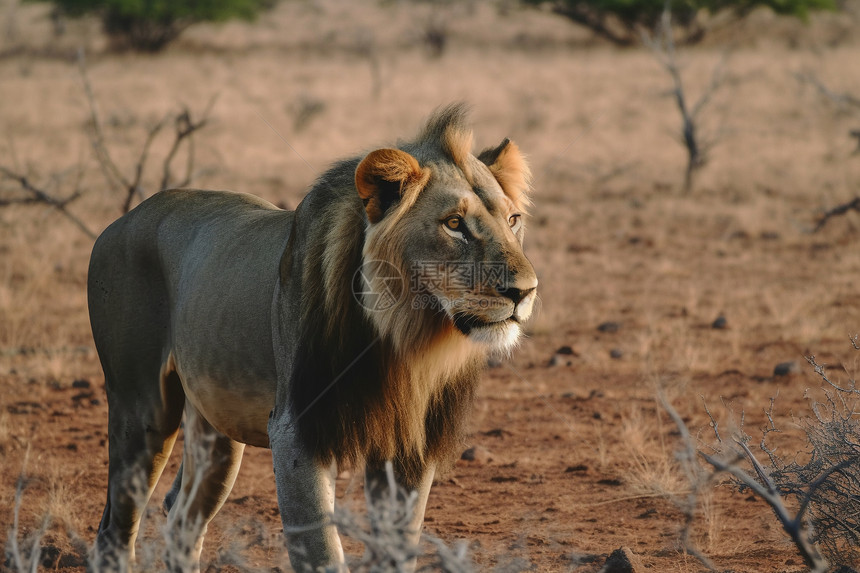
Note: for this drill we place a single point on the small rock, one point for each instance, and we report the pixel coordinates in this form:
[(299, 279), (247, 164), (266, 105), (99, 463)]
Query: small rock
[(623, 560), (81, 384), (720, 323), (616, 354), (497, 433), (478, 454), (72, 560), (609, 326), (786, 368), (566, 351), (560, 360), (49, 555), (82, 396), (576, 468)]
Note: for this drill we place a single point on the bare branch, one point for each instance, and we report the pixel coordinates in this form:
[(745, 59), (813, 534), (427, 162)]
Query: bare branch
[(185, 128), (134, 188), (717, 77), (844, 99), (694, 476), (813, 488), (714, 424), (853, 205), (819, 369), (40, 196), (109, 169), (791, 525)]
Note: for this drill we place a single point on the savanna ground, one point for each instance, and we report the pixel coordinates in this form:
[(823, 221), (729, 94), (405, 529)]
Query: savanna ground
[(579, 457)]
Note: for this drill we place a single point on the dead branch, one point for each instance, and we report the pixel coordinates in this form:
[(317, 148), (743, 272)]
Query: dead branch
[(663, 47), (109, 168), (185, 127), (843, 99), (767, 491), (37, 195), (853, 205), (822, 373), (24, 560), (687, 457), (764, 486)]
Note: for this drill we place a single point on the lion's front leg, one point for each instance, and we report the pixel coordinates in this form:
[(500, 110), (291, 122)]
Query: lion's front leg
[(306, 497), (396, 502)]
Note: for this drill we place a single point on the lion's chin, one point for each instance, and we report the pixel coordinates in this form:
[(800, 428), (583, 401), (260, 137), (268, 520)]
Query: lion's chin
[(499, 336)]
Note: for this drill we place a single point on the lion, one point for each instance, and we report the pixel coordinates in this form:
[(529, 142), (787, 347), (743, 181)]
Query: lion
[(352, 330)]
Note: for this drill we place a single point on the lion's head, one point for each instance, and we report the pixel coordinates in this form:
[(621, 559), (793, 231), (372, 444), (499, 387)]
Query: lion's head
[(443, 251), (413, 271)]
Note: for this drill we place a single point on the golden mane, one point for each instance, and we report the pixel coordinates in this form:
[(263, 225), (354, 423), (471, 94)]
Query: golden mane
[(391, 382), (448, 131)]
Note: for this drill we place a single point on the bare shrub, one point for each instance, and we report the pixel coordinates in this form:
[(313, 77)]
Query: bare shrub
[(23, 552), (815, 501), (384, 531), (827, 485)]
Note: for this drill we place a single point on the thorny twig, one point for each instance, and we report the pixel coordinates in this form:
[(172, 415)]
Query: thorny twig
[(820, 371)]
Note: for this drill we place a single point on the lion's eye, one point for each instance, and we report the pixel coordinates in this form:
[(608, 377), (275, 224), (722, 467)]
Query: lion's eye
[(454, 222), (514, 220)]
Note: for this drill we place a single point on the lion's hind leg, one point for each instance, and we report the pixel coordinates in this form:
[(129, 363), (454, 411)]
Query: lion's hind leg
[(141, 433), (210, 463)]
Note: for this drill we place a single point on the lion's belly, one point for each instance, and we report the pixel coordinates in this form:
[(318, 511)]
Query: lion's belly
[(228, 368), (222, 284), (241, 414)]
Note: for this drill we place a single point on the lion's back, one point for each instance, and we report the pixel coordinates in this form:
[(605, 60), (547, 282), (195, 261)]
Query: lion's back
[(192, 274)]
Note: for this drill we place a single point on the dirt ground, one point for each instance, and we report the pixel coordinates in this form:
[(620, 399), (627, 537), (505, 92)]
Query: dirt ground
[(576, 455)]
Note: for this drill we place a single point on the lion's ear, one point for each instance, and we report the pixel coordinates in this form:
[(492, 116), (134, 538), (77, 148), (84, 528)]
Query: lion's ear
[(510, 169), (383, 177)]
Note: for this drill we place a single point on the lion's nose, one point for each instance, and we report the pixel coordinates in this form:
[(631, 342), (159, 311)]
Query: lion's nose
[(515, 294)]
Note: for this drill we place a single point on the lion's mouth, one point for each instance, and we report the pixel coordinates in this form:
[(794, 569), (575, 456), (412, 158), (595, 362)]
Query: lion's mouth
[(466, 323)]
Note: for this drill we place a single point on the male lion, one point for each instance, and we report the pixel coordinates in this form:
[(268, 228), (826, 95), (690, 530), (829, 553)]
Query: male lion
[(351, 330)]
